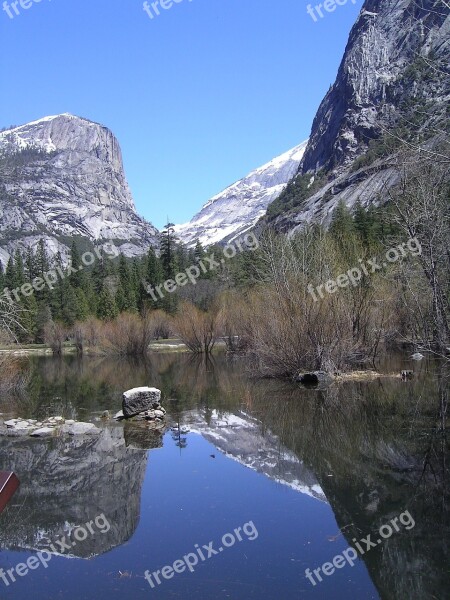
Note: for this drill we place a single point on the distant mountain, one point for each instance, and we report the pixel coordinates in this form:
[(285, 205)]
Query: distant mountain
[(63, 176), (238, 208), (392, 90)]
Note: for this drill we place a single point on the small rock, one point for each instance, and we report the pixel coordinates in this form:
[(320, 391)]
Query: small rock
[(80, 429), (43, 432), (159, 413), (417, 356), (105, 414), (119, 416)]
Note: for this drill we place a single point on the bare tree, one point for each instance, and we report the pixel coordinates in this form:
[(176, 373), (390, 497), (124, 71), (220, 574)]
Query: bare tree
[(422, 205), (10, 317)]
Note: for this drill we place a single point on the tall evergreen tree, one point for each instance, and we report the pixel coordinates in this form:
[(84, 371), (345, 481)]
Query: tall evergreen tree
[(107, 308), (168, 243), (126, 295)]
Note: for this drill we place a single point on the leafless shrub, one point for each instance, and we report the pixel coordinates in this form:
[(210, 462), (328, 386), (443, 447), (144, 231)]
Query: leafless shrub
[(128, 335), (289, 330), (234, 321), (55, 334), (161, 324), (13, 376), (197, 329), (10, 318)]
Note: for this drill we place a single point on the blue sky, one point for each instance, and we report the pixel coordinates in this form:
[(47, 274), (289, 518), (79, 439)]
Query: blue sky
[(197, 96)]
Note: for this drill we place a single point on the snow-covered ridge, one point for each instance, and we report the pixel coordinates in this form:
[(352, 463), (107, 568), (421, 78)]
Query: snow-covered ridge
[(21, 137), (239, 207)]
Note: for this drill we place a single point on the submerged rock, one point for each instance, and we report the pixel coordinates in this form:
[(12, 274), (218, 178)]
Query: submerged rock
[(50, 427), (314, 378), (80, 429), (144, 436), (43, 432)]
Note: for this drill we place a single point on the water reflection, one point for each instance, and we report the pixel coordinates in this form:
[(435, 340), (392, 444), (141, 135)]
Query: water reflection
[(66, 482), (371, 450)]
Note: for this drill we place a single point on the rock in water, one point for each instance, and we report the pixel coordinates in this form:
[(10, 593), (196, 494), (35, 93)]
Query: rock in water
[(140, 400), (80, 429), (314, 378), (43, 432)]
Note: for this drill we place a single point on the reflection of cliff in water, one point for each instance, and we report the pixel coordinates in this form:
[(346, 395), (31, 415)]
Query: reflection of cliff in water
[(68, 481), (242, 438), (377, 450)]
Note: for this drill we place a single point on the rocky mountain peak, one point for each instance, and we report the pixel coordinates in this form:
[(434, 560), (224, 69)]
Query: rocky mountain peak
[(63, 176), (390, 46)]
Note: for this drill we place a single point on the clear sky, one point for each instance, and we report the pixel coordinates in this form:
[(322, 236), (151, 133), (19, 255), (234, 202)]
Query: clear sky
[(197, 96)]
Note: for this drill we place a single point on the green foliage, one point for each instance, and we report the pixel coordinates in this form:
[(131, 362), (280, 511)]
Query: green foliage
[(110, 287), (296, 193)]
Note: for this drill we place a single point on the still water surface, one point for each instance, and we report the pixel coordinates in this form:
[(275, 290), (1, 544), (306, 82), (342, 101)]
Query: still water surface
[(311, 470)]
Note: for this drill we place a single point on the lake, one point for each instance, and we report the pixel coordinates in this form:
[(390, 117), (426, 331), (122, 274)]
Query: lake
[(252, 483)]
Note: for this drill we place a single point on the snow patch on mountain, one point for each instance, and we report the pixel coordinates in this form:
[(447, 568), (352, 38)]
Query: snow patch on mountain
[(240, 206)]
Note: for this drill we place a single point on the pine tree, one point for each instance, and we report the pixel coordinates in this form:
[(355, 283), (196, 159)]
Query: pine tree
[(168, 247), (77, 279), (41, 259), (19, 269), (199, 251), (30, 265), (107, 308), (10, 275), (28, 320), (126, 296)]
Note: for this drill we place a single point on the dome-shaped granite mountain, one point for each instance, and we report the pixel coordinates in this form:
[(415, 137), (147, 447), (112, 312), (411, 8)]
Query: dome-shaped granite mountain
[(63, 176)]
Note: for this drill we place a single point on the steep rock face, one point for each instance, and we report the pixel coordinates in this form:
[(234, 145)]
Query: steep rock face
[(240, 206), (63, 176), (386, 42), (392, 85)]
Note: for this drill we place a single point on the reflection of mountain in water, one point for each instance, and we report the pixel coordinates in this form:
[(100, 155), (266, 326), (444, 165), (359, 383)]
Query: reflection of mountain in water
[(67, 482), (242, 438)]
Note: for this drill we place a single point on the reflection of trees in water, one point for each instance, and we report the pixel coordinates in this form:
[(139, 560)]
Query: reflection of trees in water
[(377, 450), (179, 436)]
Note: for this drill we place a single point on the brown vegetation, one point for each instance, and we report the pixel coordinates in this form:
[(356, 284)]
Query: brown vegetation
[(196, 328)]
